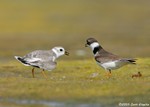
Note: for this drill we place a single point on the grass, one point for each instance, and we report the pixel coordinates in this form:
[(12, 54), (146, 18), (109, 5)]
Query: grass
[(75, 82)]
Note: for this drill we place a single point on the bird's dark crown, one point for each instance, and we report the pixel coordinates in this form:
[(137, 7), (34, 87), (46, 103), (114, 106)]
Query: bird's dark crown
[(91, 40)]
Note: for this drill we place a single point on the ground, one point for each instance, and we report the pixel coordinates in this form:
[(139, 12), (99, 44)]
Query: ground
[(74, 82)]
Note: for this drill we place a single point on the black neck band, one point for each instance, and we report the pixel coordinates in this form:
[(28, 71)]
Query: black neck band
[(96, 49)]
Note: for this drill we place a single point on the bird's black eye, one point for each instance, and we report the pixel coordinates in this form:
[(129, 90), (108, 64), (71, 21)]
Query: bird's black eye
[(61, 49), (88, 42)]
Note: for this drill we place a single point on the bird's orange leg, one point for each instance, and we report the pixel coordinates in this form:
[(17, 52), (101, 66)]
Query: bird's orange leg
[(108, 73), (43, 73), (33, 72)]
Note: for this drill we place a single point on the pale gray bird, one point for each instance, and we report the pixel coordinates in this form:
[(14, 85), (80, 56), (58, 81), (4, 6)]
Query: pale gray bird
[(105, 59), (44, 59)]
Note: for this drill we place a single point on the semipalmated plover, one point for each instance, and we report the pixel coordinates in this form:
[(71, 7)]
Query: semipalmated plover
[(44, 59), (105, 59)]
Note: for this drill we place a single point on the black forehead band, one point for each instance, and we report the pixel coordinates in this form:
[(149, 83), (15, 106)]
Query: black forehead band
[(88, 42)]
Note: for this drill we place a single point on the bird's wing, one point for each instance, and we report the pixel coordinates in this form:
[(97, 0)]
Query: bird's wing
[(39, 55), (41, 59), (33, 60), (102, 58)]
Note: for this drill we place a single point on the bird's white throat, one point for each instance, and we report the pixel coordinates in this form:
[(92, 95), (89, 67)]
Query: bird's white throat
[(56, 52), (93, 45)]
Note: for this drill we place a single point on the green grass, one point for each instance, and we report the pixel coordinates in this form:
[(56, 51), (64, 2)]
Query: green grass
[(73, 82)]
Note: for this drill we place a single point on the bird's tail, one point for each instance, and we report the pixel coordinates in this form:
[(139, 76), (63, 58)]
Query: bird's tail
[(129, 60), (20, 59), (132, 61)]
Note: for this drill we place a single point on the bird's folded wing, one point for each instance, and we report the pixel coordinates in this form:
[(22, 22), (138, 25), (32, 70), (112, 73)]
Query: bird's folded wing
[(106, 58), (40, 54), (33, 60)]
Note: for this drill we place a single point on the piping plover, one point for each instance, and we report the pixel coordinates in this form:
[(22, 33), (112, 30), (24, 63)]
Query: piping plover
[(44, 59)]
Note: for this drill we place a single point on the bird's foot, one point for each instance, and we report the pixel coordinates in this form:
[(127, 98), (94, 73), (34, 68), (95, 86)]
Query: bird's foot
[(108, 74)]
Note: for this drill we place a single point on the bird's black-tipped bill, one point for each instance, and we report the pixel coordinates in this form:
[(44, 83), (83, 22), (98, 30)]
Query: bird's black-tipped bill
[(66, 53), (86, 45)]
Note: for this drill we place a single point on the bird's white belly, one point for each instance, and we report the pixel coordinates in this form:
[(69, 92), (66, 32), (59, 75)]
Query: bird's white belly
[(110, 65)]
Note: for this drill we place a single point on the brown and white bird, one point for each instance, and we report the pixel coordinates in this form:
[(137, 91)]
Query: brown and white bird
[(105, 59)]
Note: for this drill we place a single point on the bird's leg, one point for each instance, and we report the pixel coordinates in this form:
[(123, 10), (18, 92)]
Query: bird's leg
[(108, 73), (43, 73), (33, 72)]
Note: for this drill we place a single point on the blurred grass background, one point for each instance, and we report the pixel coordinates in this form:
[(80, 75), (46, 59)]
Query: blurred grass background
[(121, 26)]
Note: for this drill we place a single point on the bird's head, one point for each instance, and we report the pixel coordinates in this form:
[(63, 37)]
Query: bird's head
[(59, 51), (92, 43)]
